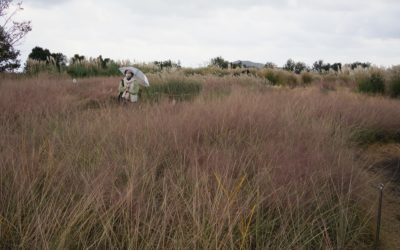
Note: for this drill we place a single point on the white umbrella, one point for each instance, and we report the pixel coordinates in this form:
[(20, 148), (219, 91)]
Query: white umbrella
[(138, 75)]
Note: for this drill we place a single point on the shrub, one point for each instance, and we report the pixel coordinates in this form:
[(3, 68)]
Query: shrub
[(219, 62), (394, 82), (177, 89), (290, 79), (272, 77), (370, 136), (306, 77), (373, 83), (394, 88), (91, 68), (279, 77)]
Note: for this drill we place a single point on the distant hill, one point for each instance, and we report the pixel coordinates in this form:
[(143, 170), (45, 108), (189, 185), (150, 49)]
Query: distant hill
[(249, 64)]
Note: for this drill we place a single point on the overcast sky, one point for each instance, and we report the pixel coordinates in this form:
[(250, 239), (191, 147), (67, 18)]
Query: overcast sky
[(193, 31)]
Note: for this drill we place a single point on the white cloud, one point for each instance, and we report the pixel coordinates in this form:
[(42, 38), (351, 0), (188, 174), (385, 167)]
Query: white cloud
[(195, 31)]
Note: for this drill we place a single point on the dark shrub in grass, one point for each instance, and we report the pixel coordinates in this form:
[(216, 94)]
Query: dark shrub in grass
[(272, 77), (279, 77), (177, 89), (306, 77), (374, 83), (92, 69), (394, 88), (394, 82), (371, 136)]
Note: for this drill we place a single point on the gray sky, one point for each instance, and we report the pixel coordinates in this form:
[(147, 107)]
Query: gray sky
[(193, 31)]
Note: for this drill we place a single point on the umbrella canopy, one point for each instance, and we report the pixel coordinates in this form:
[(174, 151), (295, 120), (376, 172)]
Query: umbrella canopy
[(138, 75)]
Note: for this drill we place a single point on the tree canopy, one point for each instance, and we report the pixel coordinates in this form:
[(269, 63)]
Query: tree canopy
[(11, 33), (219, 62)]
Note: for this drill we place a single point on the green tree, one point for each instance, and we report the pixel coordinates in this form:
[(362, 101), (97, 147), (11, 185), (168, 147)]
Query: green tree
[(44, 55), (103, 62), (8, 54), (300, 67), (236, 65), (318, 66), (11, 33), (359, 64), (290, 65), (219, 62), (77, 58), (270, 65), (39, 54), (164, 64), (296, 67), (60, 59)]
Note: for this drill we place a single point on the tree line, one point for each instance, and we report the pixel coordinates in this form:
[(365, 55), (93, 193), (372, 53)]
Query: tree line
[(44, 55), (293, 66)]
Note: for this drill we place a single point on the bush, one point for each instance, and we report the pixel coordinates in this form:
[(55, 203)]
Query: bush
[(373, 83), (270, 75), (92, 68), (176, 89), (279, 77), (394, 82), (306, 78), (394, 88), (219, 62), (371, 136), (291, 80)]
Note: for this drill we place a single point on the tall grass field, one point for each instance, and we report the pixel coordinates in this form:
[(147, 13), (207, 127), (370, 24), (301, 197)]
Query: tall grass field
[(267, 160)]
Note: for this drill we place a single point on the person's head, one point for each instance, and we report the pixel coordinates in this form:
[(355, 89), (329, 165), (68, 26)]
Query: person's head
[(129, 74)]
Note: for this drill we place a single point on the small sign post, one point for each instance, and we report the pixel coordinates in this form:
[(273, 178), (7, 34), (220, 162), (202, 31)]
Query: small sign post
[(379, 216)]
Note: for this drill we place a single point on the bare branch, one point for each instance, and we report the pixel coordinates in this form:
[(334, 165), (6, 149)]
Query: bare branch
[(10, 17), (4, 5)]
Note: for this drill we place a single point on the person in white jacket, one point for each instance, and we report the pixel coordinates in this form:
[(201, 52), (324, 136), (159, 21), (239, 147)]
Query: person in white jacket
[(128, 88)]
